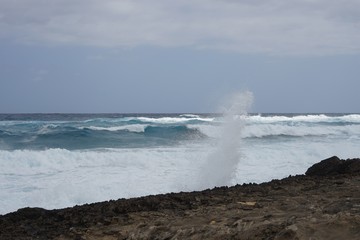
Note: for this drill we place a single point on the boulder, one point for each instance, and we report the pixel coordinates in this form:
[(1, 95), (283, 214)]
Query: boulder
[(333, 166)]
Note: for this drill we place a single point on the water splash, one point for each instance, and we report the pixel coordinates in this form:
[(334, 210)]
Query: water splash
[(220, 167)]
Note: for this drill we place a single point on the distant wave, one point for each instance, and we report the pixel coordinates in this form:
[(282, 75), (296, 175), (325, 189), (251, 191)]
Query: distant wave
[(181, 119), (164, 130), (88, 137), (137, 128), (318, 118), (174, 120), (262, 131), (302, 126)]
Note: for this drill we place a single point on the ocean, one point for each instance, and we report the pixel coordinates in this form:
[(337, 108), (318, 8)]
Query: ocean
[(61, 160)]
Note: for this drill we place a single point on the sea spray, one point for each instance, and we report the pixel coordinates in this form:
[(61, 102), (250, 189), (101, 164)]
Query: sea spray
[(221, 164)]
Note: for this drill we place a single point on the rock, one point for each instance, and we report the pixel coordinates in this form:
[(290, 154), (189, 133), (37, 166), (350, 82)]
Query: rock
[(30, 213), (333, 166)]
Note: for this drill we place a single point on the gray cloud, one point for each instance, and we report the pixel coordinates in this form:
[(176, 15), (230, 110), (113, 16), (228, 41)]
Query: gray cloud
[(274, 26)]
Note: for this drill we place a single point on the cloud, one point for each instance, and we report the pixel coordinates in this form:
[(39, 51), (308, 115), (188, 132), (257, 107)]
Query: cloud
[(279, 27)]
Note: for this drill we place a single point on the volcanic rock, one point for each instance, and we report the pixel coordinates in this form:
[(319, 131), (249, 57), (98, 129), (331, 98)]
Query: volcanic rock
[(333, 166)]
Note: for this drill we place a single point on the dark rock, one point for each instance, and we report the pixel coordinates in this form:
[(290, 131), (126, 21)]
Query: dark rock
[(333, 166), (30, 213), (325, 167)]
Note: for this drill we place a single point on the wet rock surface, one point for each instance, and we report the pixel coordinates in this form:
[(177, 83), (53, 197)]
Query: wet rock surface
[(311, 206)]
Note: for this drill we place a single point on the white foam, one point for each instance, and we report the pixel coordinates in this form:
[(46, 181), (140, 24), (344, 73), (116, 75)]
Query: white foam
[(57, 178), (355, 118), (264, 161), (173, 120), (131, 128)]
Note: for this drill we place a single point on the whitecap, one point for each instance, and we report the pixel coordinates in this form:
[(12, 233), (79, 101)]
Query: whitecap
[(131, 128)]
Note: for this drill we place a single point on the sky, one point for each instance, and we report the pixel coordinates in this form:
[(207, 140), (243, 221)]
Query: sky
[(180, 56)]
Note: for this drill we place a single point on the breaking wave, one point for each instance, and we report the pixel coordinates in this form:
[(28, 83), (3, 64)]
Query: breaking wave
[(164, 130)]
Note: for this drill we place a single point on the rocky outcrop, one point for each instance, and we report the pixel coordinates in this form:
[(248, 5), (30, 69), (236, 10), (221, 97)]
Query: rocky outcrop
[(333, 166)]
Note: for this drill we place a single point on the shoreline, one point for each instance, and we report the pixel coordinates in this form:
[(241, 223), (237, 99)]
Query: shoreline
[(324, 203)]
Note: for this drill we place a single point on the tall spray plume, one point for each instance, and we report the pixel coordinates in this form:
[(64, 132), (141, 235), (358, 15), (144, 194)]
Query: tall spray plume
[(220, 167)]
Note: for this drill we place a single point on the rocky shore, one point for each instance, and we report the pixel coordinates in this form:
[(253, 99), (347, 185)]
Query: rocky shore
[(324, 203)]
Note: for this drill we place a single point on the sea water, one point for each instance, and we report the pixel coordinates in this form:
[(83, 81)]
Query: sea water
[(61, 160)]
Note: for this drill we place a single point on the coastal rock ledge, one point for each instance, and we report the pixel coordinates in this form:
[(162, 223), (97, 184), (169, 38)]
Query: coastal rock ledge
[(322, 204)]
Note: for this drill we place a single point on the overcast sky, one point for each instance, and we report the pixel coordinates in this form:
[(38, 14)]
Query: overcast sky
[(178, 56)]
